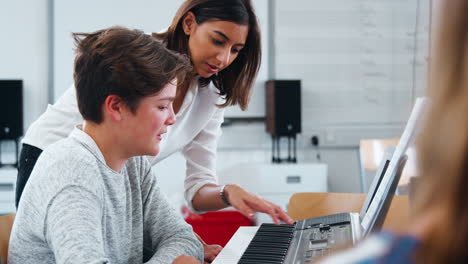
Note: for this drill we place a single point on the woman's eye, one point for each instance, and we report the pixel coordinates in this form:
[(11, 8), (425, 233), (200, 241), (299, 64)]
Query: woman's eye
[(235, 51), (218, 42), (162, 107)]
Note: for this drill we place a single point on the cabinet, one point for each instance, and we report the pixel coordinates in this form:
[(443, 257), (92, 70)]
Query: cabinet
[(277, 182), (7, 190)]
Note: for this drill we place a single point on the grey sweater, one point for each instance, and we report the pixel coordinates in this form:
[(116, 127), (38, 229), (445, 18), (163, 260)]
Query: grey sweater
[(75, 209)]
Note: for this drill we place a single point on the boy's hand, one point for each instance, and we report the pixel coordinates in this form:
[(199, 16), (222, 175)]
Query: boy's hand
[(185, 260), (211, 251)]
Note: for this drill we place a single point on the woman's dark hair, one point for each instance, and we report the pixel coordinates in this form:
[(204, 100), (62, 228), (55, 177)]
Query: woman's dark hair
[(123, 62), (236, 81)]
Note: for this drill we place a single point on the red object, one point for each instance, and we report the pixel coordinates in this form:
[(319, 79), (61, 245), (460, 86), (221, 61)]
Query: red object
[(216, 227)]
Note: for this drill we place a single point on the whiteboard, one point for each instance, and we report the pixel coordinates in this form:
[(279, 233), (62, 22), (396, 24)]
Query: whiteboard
[(361, 62), (146, 15)]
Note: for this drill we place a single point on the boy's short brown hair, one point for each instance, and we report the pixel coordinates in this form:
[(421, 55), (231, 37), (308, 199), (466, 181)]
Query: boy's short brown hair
[(123, 62)]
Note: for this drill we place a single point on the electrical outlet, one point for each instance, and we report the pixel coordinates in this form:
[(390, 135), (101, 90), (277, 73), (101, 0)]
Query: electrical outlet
[(330, 136)]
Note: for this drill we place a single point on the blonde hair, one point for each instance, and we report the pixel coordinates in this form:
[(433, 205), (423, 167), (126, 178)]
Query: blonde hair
[(443, 146)]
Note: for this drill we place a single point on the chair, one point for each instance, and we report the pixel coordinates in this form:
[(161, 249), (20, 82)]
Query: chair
[(6, 223), (371, 152)]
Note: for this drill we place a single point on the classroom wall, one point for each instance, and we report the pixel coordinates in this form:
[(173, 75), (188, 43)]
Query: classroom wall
[(24, 51)]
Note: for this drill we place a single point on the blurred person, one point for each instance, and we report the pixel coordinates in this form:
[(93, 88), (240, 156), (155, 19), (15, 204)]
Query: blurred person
[(438, 231)]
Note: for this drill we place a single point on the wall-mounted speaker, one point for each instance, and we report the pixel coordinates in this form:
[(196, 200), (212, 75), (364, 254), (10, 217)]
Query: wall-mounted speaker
[(283, 107), (11, 109)]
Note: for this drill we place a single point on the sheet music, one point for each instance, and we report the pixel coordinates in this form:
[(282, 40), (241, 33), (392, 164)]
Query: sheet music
[(407, 138), (236, 246)]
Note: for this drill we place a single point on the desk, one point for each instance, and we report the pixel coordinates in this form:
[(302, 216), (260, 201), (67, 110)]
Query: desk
[(308, 205)]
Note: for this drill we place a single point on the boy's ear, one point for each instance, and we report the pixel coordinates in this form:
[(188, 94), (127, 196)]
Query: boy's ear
[(113, 107), (188, 23)]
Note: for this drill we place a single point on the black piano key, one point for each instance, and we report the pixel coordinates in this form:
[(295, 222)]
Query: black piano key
[(269, 245), (263, 257), (256, 261), (278, 260), (270, 251), (269, 240)]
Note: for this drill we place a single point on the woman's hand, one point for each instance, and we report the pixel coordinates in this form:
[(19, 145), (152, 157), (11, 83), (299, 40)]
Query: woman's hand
[(185, 260), (248, 203)]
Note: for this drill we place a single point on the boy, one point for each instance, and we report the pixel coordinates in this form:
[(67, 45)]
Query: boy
[(92, 197)]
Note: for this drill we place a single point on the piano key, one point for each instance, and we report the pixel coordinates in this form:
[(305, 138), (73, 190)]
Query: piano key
[(269, 245)]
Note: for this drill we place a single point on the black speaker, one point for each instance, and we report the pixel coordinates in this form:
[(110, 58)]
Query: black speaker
[(283, 107), (11, 109)]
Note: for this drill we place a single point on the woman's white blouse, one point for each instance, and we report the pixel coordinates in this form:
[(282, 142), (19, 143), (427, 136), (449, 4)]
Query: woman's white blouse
[(195, 133)]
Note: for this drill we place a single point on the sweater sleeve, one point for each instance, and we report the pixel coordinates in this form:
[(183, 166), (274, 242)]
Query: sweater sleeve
[(166, 234), (73, 226)]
